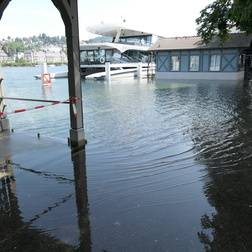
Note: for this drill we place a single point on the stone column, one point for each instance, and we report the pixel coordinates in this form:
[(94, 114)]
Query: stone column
[(4, 122)]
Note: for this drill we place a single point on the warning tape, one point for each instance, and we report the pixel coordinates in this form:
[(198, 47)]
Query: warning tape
[(72, 100)]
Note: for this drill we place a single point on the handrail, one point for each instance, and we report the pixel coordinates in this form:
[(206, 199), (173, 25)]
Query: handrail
[(25, 99)]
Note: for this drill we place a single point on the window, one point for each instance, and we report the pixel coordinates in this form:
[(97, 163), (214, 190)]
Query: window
[(109, 55), (215, 62), (241, 62), (174, 63), (83, 56), (90, 56), (194, 63), (99, 53)]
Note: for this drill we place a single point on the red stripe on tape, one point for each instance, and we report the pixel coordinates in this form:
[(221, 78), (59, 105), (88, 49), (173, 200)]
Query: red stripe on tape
[(20, 110), (39, 107), (73, 101)]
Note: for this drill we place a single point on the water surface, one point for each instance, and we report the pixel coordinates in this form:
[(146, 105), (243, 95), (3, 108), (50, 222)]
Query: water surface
[(167, 165)]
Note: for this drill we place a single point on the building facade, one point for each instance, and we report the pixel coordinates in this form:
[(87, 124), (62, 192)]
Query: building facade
[(32, 56), (4, 58), (189, 58)]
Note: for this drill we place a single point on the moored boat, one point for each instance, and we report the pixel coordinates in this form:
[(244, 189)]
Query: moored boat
[(128, 47)]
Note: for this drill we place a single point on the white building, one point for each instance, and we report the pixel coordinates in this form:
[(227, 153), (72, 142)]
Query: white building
[(32, 56), (4, 58)]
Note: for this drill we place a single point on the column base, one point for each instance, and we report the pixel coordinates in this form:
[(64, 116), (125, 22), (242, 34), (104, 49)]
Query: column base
[(77, 138), (5, 125)]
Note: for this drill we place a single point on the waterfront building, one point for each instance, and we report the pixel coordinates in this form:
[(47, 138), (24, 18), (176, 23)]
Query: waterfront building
[(189, 58), (32, 56), (3, 56)]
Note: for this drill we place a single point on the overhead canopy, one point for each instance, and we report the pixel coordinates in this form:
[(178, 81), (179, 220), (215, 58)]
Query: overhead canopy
[(111, 30)]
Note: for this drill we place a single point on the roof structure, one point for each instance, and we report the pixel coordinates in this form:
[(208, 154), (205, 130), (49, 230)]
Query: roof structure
[(111, 29), (238, 40)]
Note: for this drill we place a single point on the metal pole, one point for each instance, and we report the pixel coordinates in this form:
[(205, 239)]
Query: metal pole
[(37, 100)]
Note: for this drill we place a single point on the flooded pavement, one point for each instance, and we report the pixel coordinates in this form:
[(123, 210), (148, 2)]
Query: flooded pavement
[(43, 197), (167, 167)]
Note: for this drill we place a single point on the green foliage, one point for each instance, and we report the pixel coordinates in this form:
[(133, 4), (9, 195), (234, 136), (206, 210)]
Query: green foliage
[(23, 64), (52, 40), (14, 46), (20, 60), (221, 16), (99, 39)]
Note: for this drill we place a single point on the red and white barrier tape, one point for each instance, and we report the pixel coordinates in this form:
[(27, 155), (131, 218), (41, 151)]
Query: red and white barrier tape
[(72, 100)]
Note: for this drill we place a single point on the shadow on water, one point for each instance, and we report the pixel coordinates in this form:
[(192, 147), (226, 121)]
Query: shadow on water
[(225, 147), (60, 204)]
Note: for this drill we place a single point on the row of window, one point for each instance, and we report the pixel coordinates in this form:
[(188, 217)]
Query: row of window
[(194, 63), (110, 55)]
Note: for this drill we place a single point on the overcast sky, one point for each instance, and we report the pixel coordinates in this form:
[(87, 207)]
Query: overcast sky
[(24, 18)]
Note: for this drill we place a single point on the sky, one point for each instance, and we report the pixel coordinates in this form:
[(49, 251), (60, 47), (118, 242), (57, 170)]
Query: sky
[(25, 18)]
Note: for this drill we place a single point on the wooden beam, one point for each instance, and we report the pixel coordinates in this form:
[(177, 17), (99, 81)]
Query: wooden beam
[(3, 5), (69, 13)]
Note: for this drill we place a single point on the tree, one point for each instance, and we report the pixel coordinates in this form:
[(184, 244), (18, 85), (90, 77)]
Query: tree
[(19, 60), (221, 16), (11, 48)]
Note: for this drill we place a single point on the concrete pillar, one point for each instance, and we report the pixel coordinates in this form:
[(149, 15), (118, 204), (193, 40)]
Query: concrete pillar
[(4, 122), (43, 68), (139, 70), (107, 70)]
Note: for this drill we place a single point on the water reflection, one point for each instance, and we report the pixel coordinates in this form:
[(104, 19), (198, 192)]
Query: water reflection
[(52, 225), (224, 144), (47, 92)]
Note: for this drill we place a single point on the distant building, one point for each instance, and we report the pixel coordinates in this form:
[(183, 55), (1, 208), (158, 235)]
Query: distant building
[(51, 48), (32, 56), (20, 55), (3, 57), (188, 58)]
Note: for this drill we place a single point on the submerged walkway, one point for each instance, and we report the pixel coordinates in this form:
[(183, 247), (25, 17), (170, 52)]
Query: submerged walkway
[(43, 195), (16, 143)]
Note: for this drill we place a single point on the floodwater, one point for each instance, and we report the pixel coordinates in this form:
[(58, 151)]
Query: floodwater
[(167, 168)]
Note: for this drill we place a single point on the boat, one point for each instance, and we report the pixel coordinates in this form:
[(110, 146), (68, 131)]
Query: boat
[(128, 47), (54, 75)]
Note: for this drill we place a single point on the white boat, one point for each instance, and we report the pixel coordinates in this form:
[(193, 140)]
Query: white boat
[(127, 48), (54, 75)]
